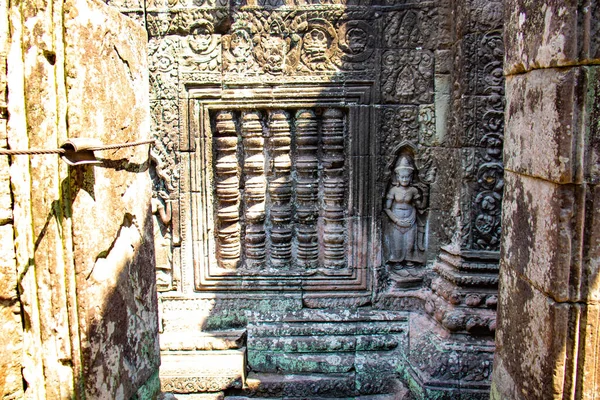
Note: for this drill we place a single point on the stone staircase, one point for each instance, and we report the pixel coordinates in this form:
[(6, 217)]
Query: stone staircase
[(317, 353)]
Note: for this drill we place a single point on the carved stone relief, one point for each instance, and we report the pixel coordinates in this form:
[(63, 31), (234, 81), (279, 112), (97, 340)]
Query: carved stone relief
[(407, 76), (405, 206), (163, 68), (483, 120), (201, 50), (409, 28), (483, 62), (488, 200), (291, 135), (254, 229), (297, 43)]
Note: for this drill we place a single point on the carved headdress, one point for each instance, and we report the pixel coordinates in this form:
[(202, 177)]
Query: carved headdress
[(404, 163)]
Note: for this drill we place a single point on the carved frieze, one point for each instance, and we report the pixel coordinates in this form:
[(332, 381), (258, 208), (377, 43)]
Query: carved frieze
[(182, 21), (287, 43), (407, 76)]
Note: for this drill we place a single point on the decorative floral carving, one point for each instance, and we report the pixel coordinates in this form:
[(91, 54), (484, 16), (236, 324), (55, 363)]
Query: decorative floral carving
[(163, 68), (483, 61), (407, 76), (202, 50), (427, 134)]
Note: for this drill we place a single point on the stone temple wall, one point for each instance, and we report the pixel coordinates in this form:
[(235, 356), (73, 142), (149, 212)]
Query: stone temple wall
[(78, 296), (547, 341), (327, 191)]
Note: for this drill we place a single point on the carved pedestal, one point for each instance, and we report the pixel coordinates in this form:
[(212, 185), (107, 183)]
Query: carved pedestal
[(440, 365)]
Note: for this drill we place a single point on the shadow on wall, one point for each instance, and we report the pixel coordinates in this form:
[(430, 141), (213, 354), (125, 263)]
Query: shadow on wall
[(109, 299)]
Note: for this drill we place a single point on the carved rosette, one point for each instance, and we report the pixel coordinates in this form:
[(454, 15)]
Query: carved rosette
[(227, 191), (280, 188), (255, 188), (201, 51), (334, 189), (307, 187)]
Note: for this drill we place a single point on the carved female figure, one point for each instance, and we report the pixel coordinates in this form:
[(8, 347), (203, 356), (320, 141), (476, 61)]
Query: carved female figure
[(401, 203)]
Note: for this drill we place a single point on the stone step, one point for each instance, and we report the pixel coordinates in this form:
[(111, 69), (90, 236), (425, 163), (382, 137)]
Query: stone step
[(311, 386), (198, 340), (329, 363), (202, 371), (325, 343), (373, 397), (324, 346)]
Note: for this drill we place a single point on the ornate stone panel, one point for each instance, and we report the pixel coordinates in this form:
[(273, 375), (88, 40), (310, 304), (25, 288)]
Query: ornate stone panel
[(280, 182), (290, 42), (407, 76)]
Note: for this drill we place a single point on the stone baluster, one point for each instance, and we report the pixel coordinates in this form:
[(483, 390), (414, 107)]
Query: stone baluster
[(334, 188), (227, 191), (255, 188), (280, 189), (307, 188)]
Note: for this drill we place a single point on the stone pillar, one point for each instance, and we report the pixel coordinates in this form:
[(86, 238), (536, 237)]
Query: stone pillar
[(11, 329), (547, 338), (453, 355), (83, 237)]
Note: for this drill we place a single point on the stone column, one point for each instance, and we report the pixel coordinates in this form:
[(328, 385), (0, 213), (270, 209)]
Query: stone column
[(82, 235), (255, 189), (454, 354), (548, 314), (11, 329), (307, 188), (466, 272), (280, 189)]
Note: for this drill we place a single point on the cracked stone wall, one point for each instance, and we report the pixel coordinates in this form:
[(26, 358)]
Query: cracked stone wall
[(548, 315), (82, 259)]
